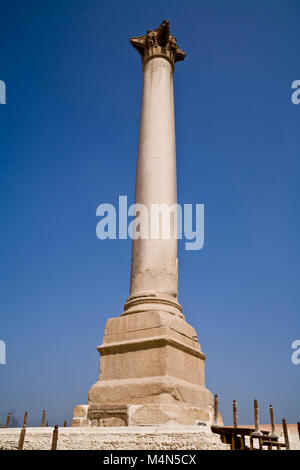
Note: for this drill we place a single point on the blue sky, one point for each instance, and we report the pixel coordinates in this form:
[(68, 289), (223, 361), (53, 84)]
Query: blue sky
[(69, 142)]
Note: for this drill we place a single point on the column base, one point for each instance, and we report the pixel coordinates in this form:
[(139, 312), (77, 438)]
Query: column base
[(148, 414), (149, 301), (151, 373)]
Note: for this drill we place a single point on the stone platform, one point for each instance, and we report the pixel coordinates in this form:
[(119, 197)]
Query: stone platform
[(116, 438)]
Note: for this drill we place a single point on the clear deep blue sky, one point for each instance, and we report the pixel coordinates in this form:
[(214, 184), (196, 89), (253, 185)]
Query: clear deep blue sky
[(69, 142)]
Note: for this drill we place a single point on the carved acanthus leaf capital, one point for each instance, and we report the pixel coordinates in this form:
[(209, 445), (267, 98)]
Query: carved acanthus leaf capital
[(158, 42)]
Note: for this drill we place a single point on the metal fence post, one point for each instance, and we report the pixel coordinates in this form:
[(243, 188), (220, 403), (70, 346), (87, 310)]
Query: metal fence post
[(216, 410), (286, 434), (43, 418), (22, 438), (54, 438), (235, 424)]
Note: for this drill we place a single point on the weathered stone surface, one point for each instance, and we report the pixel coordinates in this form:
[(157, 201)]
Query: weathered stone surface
[(108, 415), (115, 438), (80, 416), (160, 414), (80, 411), (158, 42), (124, 438), (111, 422), (150, 355), (164, 414), (154, 265)]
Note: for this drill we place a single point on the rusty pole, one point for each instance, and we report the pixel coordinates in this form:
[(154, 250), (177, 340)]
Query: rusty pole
[(65, 423), (235, 424), (256, 417), (54, 438), (25, 418), (22, 438), (43, 418), (216, 409), (286, 434), (273, 433), (298, 425), (7, 420)]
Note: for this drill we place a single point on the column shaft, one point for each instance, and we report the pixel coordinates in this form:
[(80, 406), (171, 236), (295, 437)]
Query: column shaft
[(154, 270)]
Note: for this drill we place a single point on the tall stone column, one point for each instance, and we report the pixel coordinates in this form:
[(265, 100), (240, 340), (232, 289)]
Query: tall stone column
[(151, 364), (154, 274)]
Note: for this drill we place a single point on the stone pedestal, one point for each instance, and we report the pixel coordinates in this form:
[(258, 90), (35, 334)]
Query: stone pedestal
[(151, 359)]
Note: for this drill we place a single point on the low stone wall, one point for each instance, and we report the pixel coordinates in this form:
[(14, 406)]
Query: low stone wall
[(115, 438)]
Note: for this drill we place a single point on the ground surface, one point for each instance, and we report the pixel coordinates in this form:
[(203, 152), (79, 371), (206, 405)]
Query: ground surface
[(121, 438), (127, 438)]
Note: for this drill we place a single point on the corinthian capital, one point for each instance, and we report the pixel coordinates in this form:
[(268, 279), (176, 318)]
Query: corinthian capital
[(158, 42)]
